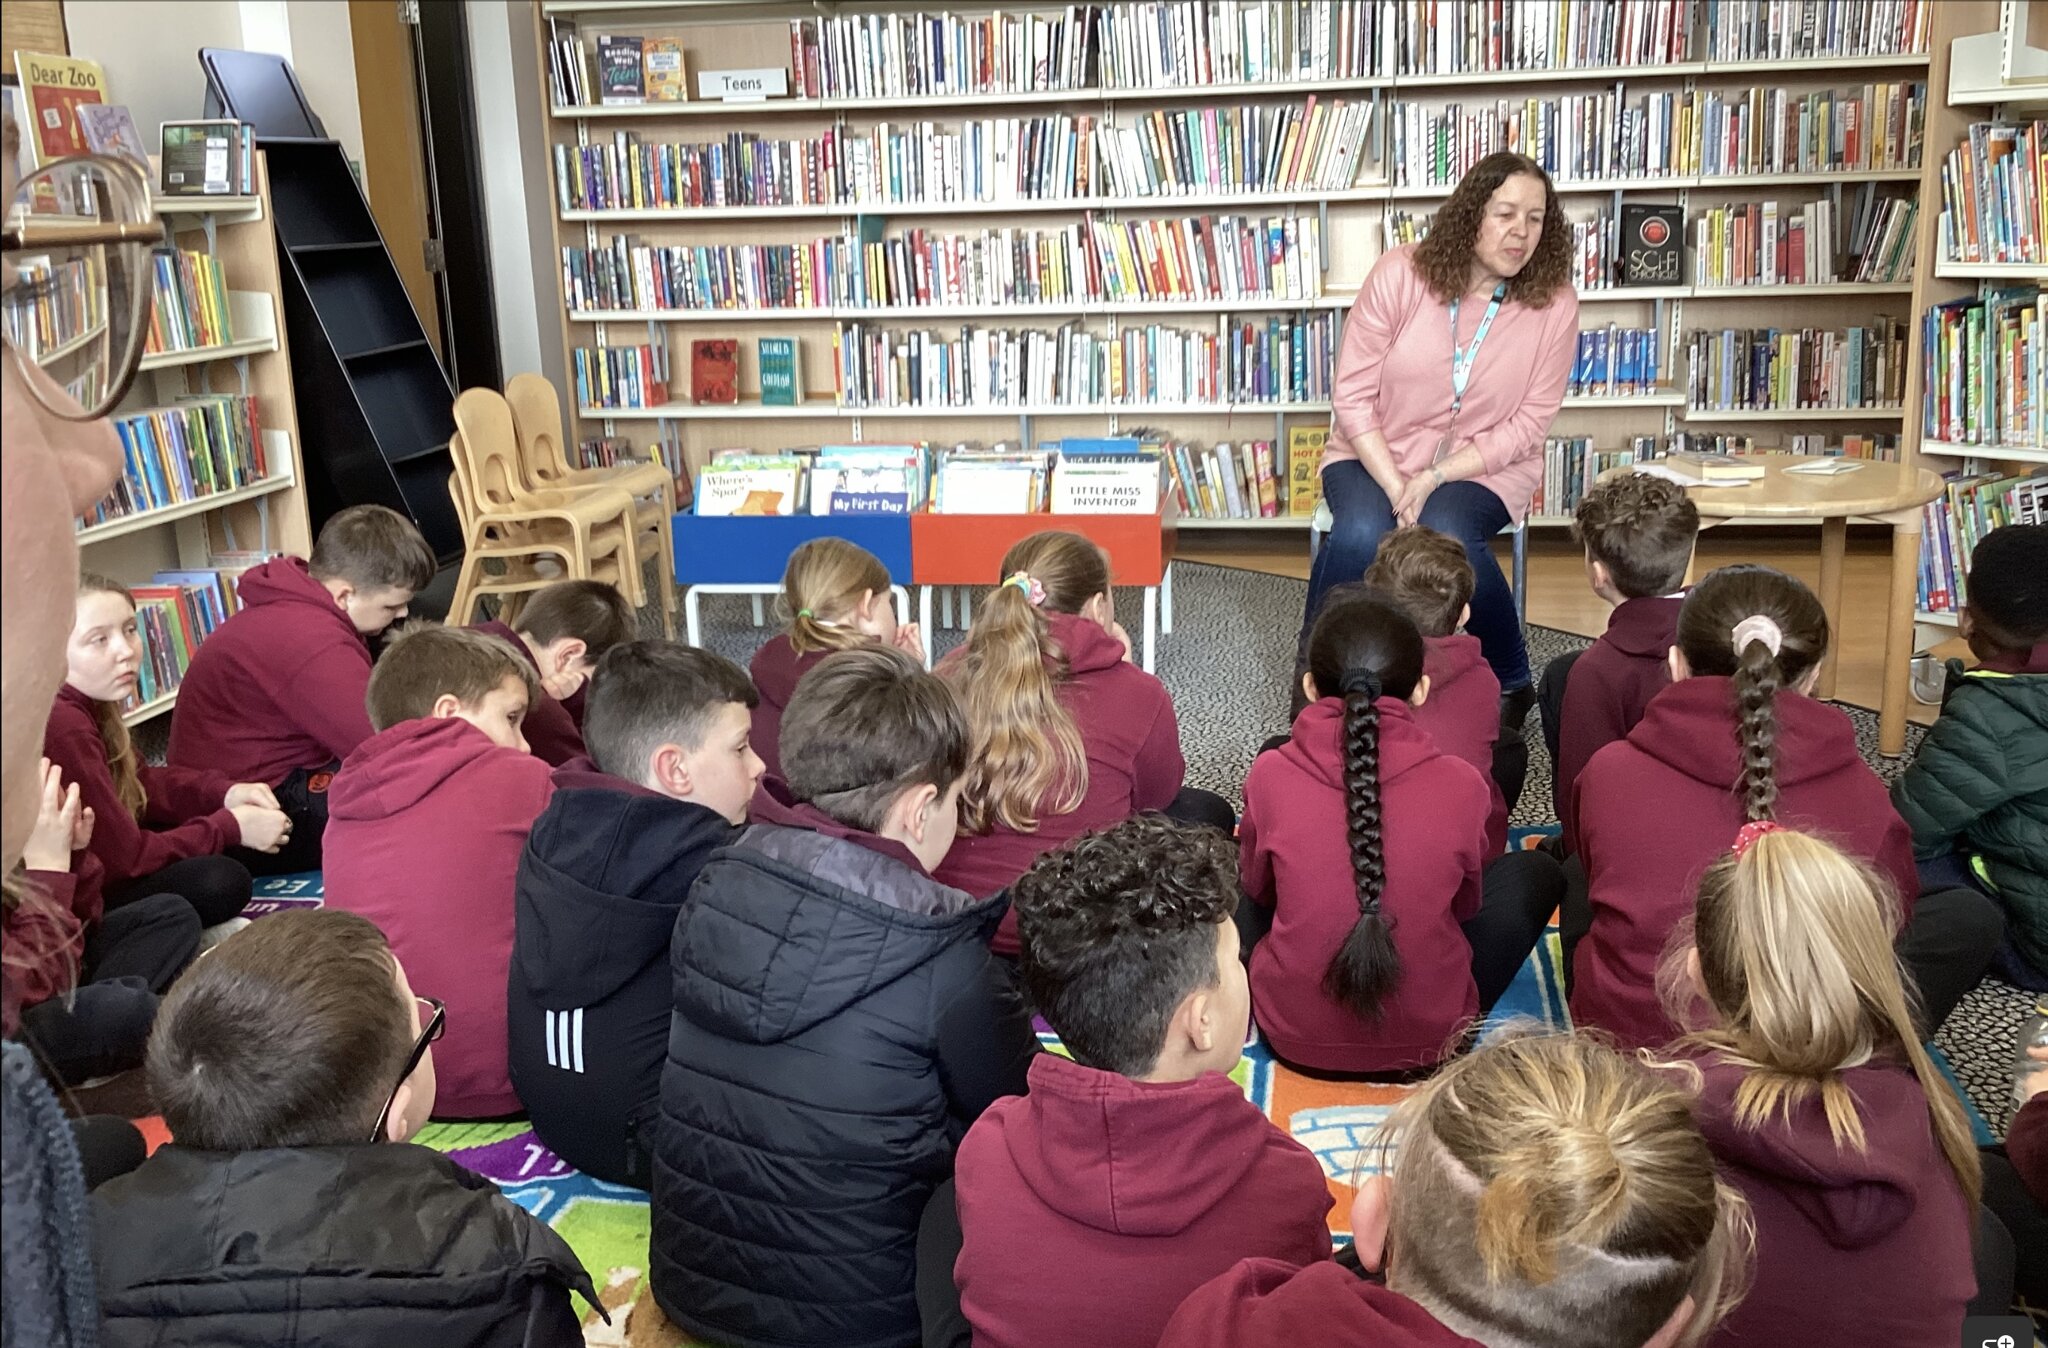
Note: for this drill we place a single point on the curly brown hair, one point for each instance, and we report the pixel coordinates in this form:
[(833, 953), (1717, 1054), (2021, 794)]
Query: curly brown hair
[(1444, 259)]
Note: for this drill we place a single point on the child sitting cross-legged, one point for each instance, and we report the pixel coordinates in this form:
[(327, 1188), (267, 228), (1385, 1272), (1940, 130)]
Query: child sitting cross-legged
[(603, 876), (1820, 1103), (835, 597), (291, 1064), (1136, 1170), (1427, 575), (428, 819), (563, 630), (839, 1023), (1545, 1192), (1391, 930)]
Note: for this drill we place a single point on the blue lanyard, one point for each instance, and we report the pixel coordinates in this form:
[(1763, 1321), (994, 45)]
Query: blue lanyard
[(1463, 361)]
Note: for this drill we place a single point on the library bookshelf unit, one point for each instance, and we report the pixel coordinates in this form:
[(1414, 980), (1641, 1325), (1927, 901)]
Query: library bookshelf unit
[(268, 514), (1994, 70), (1427, 86)]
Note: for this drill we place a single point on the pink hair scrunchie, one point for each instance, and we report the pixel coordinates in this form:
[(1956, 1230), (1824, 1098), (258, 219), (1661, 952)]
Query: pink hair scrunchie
[(1746, 836), (1034, 590)]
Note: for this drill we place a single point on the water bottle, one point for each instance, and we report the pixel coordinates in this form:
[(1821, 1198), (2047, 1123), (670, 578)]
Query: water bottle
[(2032, 1054)]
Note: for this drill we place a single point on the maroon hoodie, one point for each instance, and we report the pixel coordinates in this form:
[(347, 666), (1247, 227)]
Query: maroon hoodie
[(278, 687), (182, 817), (775, 670), (1125, 1196), (1462, 714), (552, 733), (1294, 858), (425, 825), (2026, 1145), (1852, 1247), (1610, 685), (1265, 1304), (1652, 812), (44, 936), (1128, 730)]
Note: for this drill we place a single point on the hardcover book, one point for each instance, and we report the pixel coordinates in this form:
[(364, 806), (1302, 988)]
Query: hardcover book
[(1652, 244), (54, 87), (1304, 475), (781, 375), (202, 158), (715, 370), (108, 129)]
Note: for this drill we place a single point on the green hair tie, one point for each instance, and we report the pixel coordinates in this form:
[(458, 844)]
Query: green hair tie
[(803, 613)]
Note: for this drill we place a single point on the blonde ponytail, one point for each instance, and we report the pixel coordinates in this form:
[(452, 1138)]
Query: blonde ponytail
[(122, 760), (1552, 1191), (824, 580), (1795, 952), (1026, 758)]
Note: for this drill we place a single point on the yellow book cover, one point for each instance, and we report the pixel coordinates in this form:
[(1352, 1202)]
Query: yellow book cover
[(1304, 480), (51, 86), (663, 58)]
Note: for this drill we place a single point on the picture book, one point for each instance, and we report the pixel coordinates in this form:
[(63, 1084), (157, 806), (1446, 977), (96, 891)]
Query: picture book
[(620, 74), (1304, 469), (715, 370), (666, 82), (54, 87), (781, 375), (109, 129), (202, 158)]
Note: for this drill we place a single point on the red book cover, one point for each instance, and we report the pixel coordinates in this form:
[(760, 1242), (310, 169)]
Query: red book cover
[(715, 370)]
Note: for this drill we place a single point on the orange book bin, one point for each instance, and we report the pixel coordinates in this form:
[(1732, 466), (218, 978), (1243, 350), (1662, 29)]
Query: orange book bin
[(968, 549)]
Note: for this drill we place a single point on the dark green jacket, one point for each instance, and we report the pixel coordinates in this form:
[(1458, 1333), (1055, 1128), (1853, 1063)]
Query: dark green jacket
[(1979, 787)]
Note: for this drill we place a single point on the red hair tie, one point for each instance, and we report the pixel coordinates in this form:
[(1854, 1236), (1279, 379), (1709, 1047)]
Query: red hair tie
[(1750, 832)]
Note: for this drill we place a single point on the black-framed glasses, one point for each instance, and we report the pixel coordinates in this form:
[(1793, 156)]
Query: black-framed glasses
[(437, 1023), (78, 239)]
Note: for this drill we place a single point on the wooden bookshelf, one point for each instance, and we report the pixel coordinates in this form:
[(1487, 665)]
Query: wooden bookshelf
[(716, 35), (269, 514)]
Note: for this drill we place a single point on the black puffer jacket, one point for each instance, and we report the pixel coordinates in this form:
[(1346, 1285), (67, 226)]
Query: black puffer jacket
[(839, 1024), (604, 873), (320, 1246)]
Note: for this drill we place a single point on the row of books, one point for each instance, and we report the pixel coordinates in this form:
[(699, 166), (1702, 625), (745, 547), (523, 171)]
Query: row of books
[(1987, 369), (666, 449), (1208, 257), (628, 69), (621, 376), (1617, 361), (1972, 506), (1251, 479), (1591, 137), (1762, 369), (1281, 360), (176, 611), (1773, 130), (189, 304), (1791, 29), (52, 306), (1573, 463), (1778, 243), (199, 447), (1115, 475), (1994, 194), (833, 480)]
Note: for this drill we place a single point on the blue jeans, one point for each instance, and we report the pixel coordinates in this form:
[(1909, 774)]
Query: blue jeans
[(1466, 511)]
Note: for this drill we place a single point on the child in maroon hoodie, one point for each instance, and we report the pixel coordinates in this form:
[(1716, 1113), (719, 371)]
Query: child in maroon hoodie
[(1821, 1105), (156, 830), (1547, 1192), (563, 631), (1391, 932), (1736, 738), (429, 817), (1069, 735), (1427, 575), (1639, 533), (835, 596), (275, 695), (1137, 1169)]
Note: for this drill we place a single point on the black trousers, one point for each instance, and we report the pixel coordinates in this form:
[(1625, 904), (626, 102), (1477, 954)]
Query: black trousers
[(303, 796), (1945, 948), (1520, 892), (1196, 806), (108, 1147), (1550, 706), (938, 1248), (217, 887), (102, 1026), (2008, 1198)]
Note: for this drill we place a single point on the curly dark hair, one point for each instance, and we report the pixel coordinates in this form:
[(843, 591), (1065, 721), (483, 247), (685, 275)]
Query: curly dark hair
[(1117, 928), (1706, 627), (1444, 259), (1364, 648), (1642, 529)]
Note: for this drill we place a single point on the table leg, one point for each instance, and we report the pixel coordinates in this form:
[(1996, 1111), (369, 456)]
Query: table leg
[(760, 617), (692, 628), (1166, 602), (1898, 633), (1151, 623), (946, 605), (1834, 541), (924, 620)]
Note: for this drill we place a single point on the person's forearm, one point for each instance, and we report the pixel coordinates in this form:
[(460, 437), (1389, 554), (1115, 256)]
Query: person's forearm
[(1461, 463), (1379, 463)]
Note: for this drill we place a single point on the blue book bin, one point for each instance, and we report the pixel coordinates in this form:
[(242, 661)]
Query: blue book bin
[(754, 549)]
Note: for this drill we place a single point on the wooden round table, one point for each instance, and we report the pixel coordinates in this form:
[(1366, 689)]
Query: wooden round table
[(1886, 493)]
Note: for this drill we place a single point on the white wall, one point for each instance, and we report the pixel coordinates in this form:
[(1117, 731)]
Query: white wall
[(505, 84)]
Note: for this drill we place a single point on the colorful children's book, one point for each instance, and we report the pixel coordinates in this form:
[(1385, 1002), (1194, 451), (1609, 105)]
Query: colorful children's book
[(54, 87), (1304, 472), (108, 129), (666, 82)]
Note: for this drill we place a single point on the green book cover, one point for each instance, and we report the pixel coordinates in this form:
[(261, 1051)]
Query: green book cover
[(781, 383)]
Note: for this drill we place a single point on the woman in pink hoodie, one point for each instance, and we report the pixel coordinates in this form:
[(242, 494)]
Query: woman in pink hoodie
[(1546, 1190), (1391, 933), (1069, 735), (1821, 1105)]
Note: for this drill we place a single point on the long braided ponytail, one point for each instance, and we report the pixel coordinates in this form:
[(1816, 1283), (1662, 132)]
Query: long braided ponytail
[(1363, 649)]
